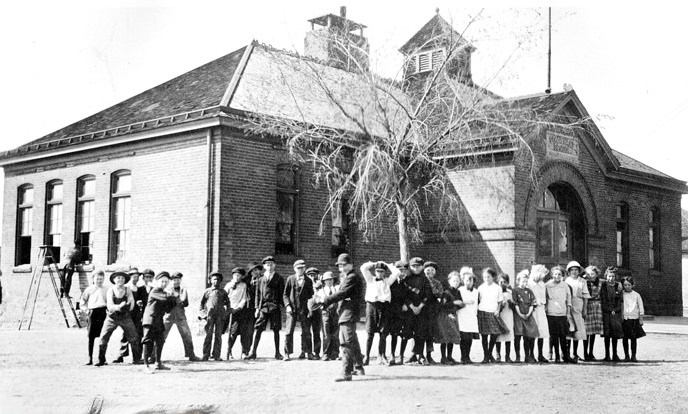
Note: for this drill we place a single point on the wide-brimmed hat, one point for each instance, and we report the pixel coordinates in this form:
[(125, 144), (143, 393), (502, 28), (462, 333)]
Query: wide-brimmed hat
[(148, 272), (299, 263), (254, 265), (312, 271), (133, 271), (573, 263), (239, 270), (115, 274), (343, 259), (177, 275), (161, 275), (268, 259), (328, 276)]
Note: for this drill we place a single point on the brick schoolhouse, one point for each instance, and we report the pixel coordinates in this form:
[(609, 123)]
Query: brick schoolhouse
[(170, 179)]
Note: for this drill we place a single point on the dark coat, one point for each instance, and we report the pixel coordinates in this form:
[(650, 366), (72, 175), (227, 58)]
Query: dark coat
[(611, 297), (350, 296), (269, 294), (159, 303), (297, 297)]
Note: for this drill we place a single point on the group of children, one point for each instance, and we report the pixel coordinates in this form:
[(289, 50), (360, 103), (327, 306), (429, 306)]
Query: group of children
[(405, 301)]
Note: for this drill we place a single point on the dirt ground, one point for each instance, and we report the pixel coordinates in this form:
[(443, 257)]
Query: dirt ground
[(42, 371)]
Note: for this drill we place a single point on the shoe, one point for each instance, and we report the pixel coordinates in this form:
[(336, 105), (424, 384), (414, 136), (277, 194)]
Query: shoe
[(310, 357), (499, 357), (607, 359), (392, 362), (366, 361), (244, 356), (205, 358), (591, 357), (217, 359), (343, 378), (358, 371), (316, 356), (557, 361), (616, 358), (399, 361), (138, 362), (444, 361), (161, 367), (230, 357), (518, 359), (451, 361), (414, 358), (422, 361), (508, 360), (101, 363), (541, 359), (278, 356), (627, 359), (89, 363), (569, 360), (494, 361), (551, 357), (430, 361), (633, 359), (285, 358), (251, 356), (301, 355), (485, 361), (118, 360), (530, 360)]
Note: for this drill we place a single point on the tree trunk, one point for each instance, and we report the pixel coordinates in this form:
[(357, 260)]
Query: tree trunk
[(402, 227)]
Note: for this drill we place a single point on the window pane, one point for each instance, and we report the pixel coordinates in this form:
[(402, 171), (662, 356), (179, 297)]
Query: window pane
[(284, 233), (619, 215), (122, 213), (54, 193), (652, 259), (286, 178), (122, 184), (26, 221), (86, 219), (285, 208), (26, 196), (545, 233), (87, 188), (563, 239)]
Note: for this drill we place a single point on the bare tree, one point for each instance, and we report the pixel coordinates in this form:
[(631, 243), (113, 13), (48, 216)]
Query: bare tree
[(394, 142)]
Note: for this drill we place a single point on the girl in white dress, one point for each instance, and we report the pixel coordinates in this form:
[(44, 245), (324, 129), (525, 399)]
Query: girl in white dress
[(537, 285), (468, 315), (507, 315)]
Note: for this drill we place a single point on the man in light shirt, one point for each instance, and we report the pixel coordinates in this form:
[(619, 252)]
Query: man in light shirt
[(378, 296)]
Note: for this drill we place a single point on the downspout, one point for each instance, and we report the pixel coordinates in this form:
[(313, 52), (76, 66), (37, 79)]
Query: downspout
[(209, 209)]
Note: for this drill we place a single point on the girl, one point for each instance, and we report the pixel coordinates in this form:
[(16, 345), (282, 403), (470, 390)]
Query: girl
[(537, 286), (430, 271), (611, 300), (558, 311), (490, 298), (94, 300), (579, 304), (593, 321), (524, 322), (468, 315), (633, 313), (447, 324), (507, 315)]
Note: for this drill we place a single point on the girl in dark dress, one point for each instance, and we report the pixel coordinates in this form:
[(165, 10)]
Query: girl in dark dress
[(612, 311)]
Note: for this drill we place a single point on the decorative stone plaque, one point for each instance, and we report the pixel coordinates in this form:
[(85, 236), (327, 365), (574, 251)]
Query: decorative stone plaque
[(562, 146)]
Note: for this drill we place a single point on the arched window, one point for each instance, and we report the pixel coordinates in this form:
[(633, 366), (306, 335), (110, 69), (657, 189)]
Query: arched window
[(53, 217), (120, 215), (553, 229), (286, 229), (622, 255), (654, 239), (85, 215), (24, 224)]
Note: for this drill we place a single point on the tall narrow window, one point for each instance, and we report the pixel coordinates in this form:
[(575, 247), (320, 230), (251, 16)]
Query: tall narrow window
[(85, 216), (341, 236), (53, 217), (622, 258), (653, 233), (120, 208), (286, 234), (24, 224)]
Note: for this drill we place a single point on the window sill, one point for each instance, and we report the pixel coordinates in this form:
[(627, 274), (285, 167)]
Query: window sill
[(27, 268), (117, 267), (653, 272)]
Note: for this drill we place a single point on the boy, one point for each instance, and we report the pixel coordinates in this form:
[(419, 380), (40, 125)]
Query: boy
[(268, 301), (419, 292), (399, 314), (315, 311), (120, 302), (214, 303), (298, 290), (349, 296), (94, 300), (159, 302), (140, 299), (378, 296), (241, 319), (329, 318), (177, 316)]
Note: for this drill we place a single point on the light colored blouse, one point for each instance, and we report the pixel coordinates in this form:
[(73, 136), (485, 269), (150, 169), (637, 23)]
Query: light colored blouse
[(489, 296), (468, 315), (632, 305), (94, 297)]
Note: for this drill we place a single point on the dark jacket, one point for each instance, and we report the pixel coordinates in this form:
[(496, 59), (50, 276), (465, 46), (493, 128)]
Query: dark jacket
[(350, 296), (297, 297), (418, 290), (611, 297), (159, 303), (270, 294)]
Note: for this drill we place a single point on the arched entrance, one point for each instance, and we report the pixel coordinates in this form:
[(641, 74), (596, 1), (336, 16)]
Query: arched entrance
[(561, 227)]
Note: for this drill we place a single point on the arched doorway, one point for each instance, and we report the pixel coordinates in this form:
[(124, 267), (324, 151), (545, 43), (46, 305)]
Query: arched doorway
[(561, 227)]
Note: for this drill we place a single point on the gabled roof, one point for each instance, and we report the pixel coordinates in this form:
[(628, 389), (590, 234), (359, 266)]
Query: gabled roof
[(435, 31)]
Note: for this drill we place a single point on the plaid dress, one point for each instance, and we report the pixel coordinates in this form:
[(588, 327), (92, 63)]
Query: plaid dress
[(593, 322)]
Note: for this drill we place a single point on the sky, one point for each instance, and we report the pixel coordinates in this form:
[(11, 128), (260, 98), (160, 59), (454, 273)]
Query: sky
[(63, 61)]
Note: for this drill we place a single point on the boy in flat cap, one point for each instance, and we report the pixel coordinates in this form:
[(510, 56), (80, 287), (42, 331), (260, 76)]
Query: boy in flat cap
[(240, 317), (349, 296), (177, 316), (120, 302), (160, 301), (418, 294), (378, 296), (140, 299), (214, 303), (315, 311), (399, 314), (269, 301), (298, 290), (329, 318)]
